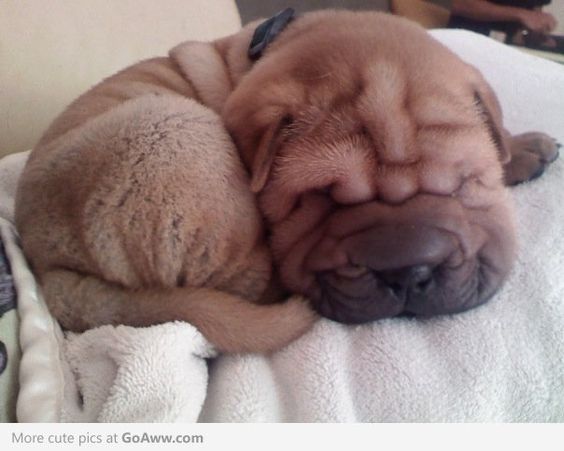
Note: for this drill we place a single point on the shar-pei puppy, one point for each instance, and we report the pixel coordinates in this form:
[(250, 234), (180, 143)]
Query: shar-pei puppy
[(378, 159)]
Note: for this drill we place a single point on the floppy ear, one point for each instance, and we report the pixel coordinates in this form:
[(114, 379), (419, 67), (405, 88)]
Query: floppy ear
[(490, 109), (263, 159)]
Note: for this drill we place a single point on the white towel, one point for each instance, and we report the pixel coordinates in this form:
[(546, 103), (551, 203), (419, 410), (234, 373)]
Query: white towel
[(154, 374), (500, 362)]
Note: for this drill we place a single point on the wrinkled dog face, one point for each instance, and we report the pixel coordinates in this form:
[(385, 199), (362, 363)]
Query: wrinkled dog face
[(377, 156)]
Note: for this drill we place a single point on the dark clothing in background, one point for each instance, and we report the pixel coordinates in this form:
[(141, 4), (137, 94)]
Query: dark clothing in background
[(528, 4), (255, 9), (486, 27)]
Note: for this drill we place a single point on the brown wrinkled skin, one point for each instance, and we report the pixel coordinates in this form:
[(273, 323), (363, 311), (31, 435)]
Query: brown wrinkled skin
[(375, 152), (379, 159)]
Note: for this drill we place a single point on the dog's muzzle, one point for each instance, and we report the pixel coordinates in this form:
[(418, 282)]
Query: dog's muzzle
[(402, 269)]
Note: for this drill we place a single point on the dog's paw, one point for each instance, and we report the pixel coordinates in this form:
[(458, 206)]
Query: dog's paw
[(531, 153)]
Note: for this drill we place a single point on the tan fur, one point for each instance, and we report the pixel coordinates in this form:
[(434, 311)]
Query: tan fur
[(134, 207)]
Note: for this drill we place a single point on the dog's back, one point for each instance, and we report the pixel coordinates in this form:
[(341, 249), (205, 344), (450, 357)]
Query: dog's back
[(135, 209)]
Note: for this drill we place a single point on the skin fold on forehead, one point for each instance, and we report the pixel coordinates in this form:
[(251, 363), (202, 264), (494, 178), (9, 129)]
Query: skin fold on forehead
[(388, 153), (401, 112)]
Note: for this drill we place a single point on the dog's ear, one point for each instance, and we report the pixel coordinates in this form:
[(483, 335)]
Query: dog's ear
[(490, 110), (263, 159)]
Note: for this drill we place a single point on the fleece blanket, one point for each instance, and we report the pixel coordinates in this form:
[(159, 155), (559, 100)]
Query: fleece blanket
[(503, 361)]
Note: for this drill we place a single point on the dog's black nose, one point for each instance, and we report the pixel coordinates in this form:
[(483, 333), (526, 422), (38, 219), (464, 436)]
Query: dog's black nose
[(411, 281)]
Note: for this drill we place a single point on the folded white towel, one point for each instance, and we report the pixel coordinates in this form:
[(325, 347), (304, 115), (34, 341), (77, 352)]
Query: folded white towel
[(500, 362), (137, 375)]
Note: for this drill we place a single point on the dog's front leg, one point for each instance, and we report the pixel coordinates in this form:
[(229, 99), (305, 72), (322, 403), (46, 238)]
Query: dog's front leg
[(531, 153)]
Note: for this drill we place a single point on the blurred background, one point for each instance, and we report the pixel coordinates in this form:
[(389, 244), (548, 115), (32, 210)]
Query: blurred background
[(534, 24), (51, 51)]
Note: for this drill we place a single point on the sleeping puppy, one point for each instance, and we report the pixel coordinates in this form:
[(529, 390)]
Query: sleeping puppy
[(135, 208), (381, 164), (378, 160)]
